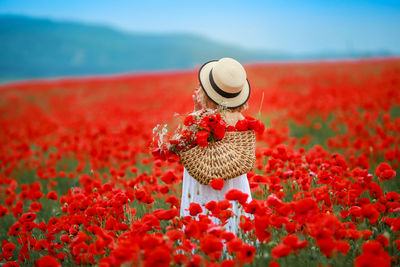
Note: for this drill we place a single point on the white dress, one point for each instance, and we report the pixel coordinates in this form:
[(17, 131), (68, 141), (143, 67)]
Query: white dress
[(193, 191)]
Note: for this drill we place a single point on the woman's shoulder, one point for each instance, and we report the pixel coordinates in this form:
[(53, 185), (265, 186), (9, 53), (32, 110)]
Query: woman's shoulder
[(232, 117)]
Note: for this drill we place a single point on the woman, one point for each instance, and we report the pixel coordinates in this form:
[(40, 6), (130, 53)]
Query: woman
[(223, 84)]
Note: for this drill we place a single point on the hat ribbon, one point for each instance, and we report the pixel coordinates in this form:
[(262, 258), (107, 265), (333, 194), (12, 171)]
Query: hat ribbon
[(219, 90)]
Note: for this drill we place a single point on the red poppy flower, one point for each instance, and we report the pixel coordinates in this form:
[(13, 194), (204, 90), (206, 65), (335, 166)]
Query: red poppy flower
[(274, 201), (228, 263), (234, 194), (224, 204), (11, 264), (173, 201), (369, 211), (28, 226), (246, 253), (324, 177), (166, 214), (8, 247), (344, 214), (61, 256), (260, 224), (253, 207), (174, 234), (195, 261), (385, 172), (159, 256), (194, 209), (255, 124), (231, 128), (291, 241), (383, 240), (201, 138), (35, 207), (192, 230), (234, 245), (280, 251), (326, 245), (342, 246), (47, 261), (27, 217), (245, 223), (14, 229), (355, 211), (41, 245), (189, 120), (52, 195), (211, 205), (217, 184), (392, 196), (3, 211), (373, 254), (304, 208), (260, 128), (65, 239), (219, 130), (366, 234), (169, 177), (211, 246), (290, 227), (228, 236), (242, 125)]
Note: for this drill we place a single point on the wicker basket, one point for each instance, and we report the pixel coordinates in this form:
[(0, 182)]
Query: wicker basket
[(230, 157)]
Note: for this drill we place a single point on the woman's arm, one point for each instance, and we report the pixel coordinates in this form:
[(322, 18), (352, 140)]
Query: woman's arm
[(196, 103)]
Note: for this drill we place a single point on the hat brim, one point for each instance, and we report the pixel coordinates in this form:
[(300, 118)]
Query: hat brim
[(234, 102)]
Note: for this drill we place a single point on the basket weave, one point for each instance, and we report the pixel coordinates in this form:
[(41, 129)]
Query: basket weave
[(230, 157)]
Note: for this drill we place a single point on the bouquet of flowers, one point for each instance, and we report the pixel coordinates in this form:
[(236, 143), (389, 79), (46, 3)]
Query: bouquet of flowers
[(199, 128)]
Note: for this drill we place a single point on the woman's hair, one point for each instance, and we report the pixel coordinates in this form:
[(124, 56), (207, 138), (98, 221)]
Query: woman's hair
[(206, 102)]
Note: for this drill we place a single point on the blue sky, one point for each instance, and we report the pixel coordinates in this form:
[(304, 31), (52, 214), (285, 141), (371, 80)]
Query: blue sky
[(288, 26)]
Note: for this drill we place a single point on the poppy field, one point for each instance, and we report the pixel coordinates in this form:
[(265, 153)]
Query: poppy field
[(79, 184)]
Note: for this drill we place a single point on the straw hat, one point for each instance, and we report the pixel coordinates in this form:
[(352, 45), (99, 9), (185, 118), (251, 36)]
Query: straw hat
[(225, 82)]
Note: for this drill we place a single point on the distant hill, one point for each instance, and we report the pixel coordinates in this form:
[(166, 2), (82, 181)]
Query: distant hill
[(35, 48), (31, 48)]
